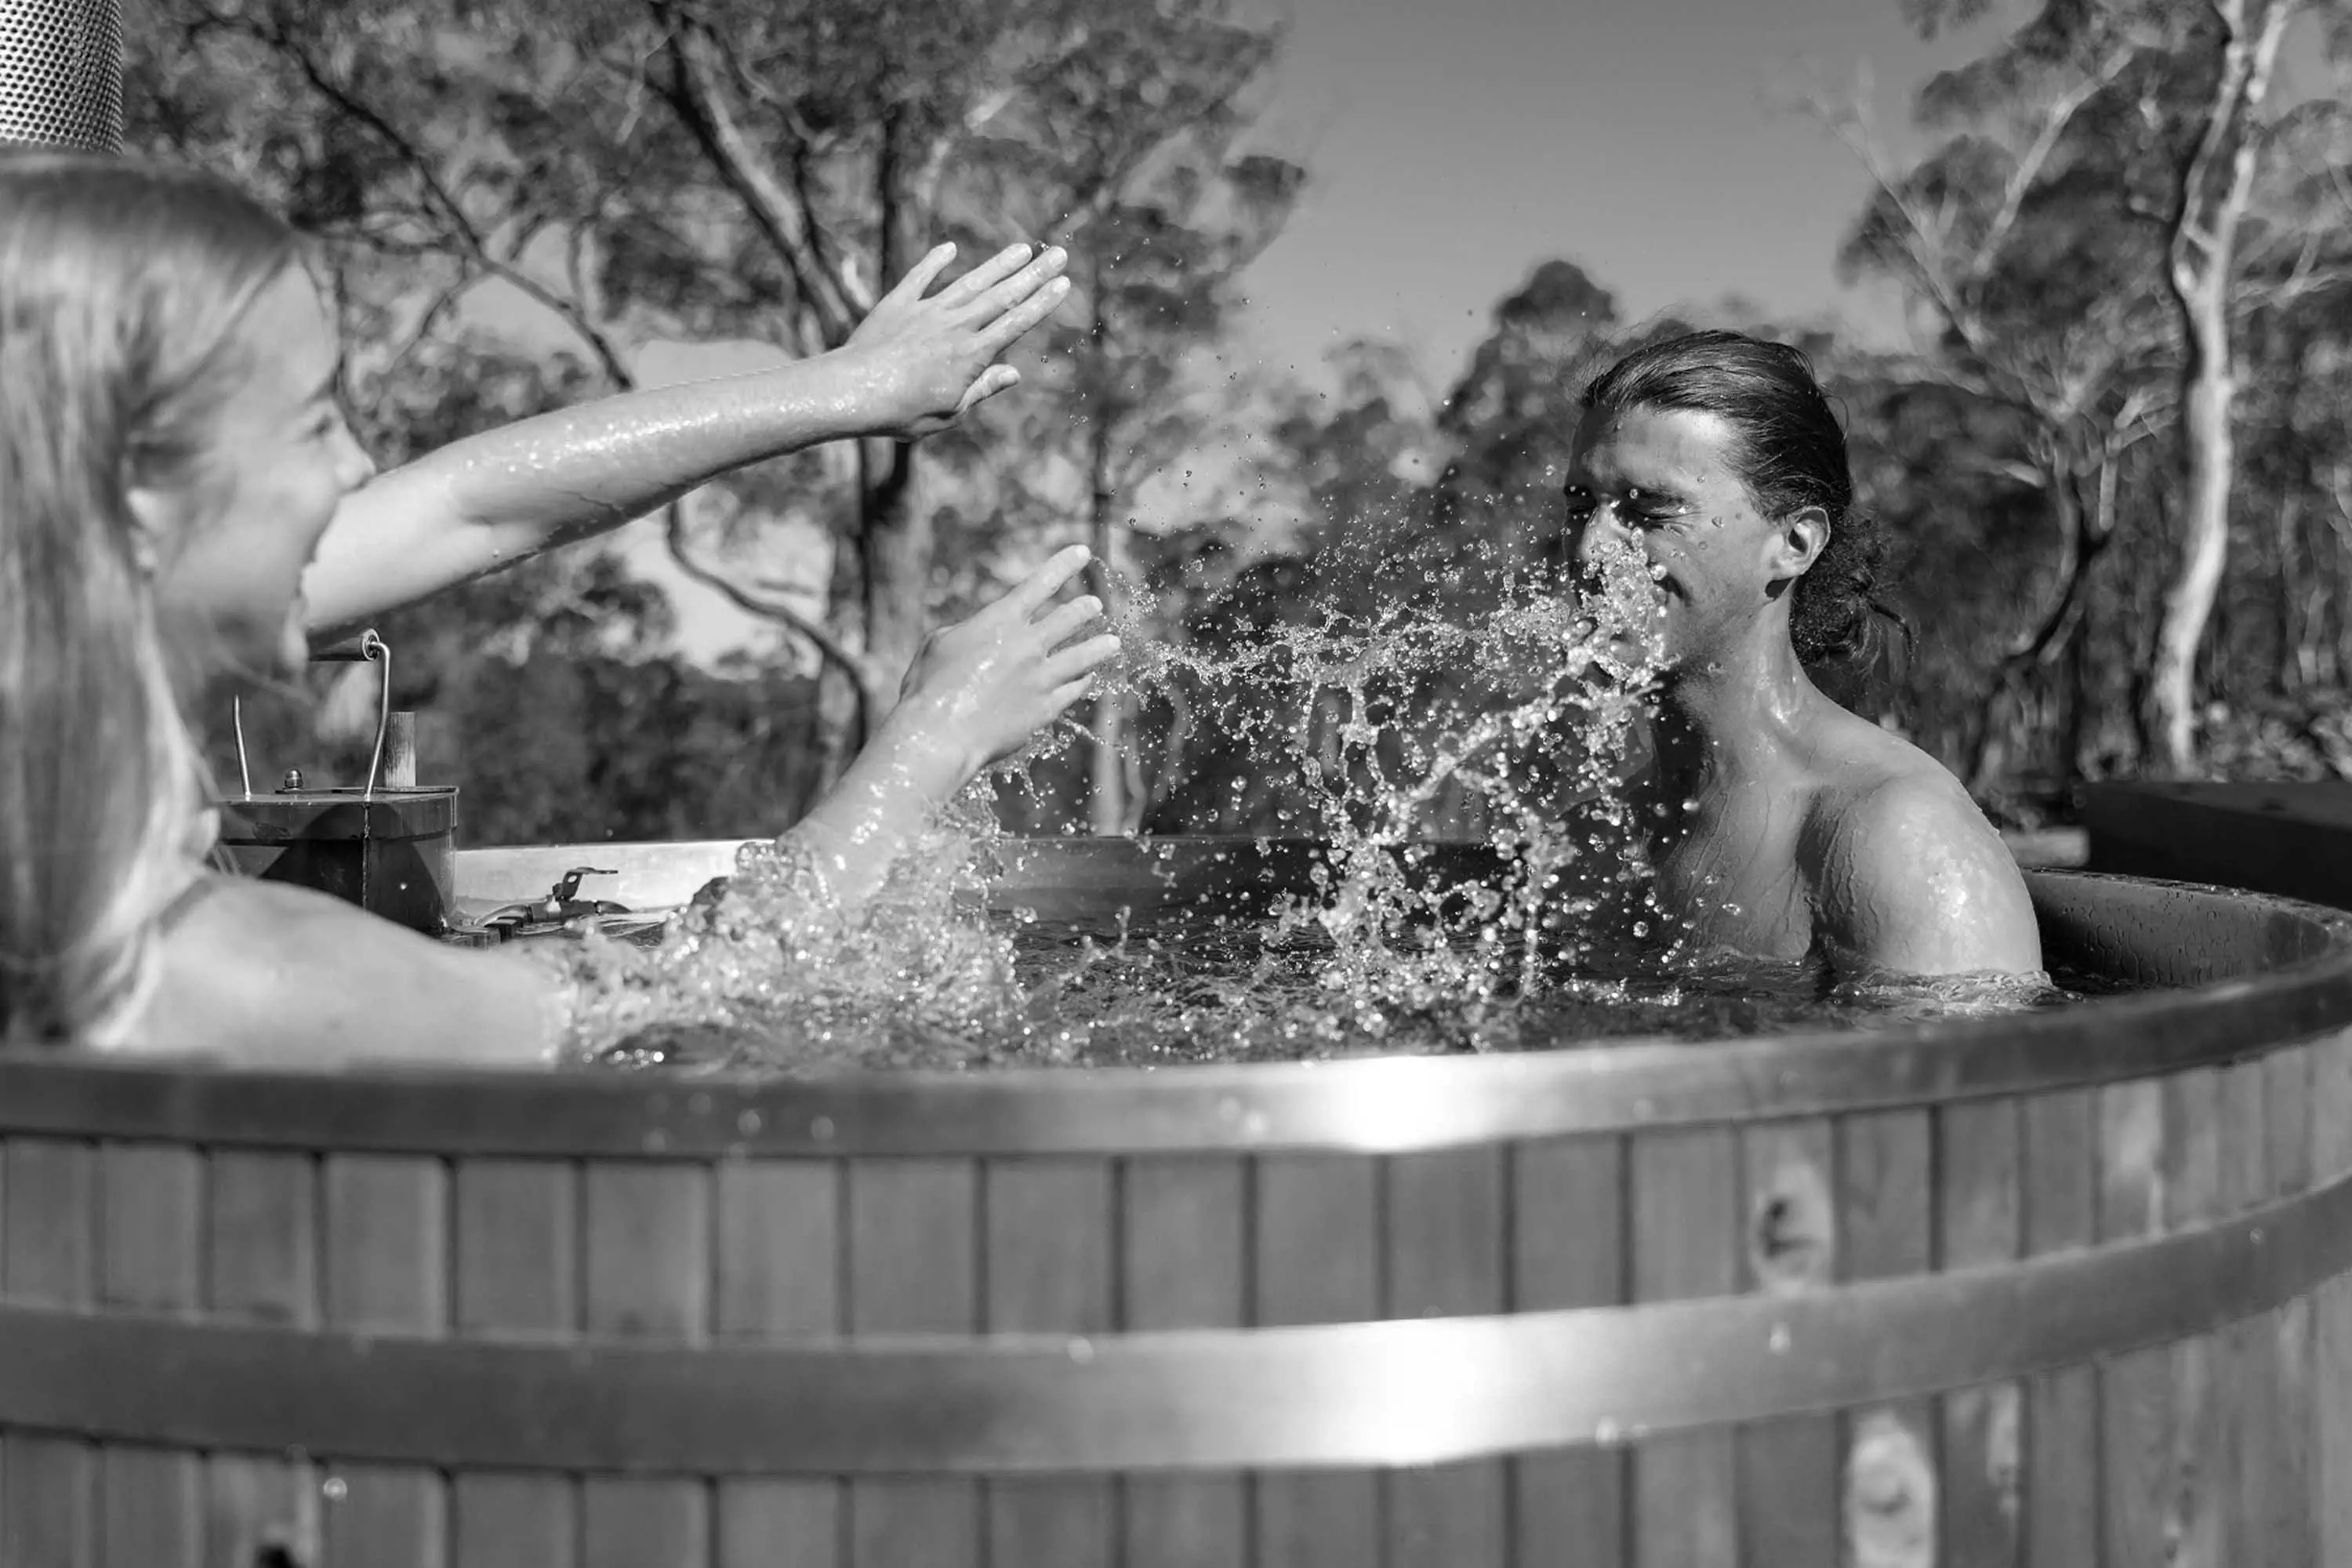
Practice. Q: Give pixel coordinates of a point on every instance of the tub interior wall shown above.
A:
(2152, 937)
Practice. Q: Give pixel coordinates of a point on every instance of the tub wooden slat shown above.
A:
(1049, 1238)
(1183, 1264)
(1980, 1221)
(2291, 1533)
(2249, 1381)
(2196, 1481)
(1567, 1249)
(2135, 1389)
(2331, 1156)
(518, 1263)
(262, 1218)
(2062, 1458)
(48, 1258)
(914, 1267)
(150, 1195)
(1317, 1260)
(1789, 1469)
(1685, 1242)
(1886, 1227)
(779, 1278)
(386, 1271)
(646, 1247)
(1447, 1254)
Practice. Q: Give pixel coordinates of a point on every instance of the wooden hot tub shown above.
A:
(2058, 1291)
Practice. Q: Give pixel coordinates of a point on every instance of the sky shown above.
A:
(1452, 147)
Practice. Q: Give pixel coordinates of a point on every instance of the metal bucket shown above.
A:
(390, 851)
(2062, 1289)
(388, 846)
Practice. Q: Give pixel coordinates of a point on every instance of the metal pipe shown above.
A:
(400, 752)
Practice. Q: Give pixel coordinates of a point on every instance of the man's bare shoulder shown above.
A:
(1908, 875)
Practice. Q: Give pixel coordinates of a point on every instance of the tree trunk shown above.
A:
(1106, 802)
(2208, 457)
(2201, 272)
(2286, 661)
(1106, 794)
(2076, 700)
(2081, 540)
(894, 529)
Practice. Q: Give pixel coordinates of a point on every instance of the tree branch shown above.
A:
(694, 92)
(828, 646)
(2202, 230)
(460, 227)
(2037, 153)
(1924, 254)
(440, 305)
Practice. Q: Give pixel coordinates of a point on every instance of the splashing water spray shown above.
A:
(1516, 718)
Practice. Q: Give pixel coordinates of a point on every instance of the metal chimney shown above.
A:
(61, 73)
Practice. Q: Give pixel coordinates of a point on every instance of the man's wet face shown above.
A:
(1659, 479)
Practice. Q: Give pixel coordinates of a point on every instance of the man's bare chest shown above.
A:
(1734, 879)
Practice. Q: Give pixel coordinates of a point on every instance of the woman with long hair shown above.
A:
(171, 453)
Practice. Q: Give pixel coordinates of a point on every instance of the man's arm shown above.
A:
(1914, 880)
(493, 498)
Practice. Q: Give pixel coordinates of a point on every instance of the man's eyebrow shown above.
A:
(325, 390)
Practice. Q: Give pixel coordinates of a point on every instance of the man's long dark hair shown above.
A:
(1790, 453)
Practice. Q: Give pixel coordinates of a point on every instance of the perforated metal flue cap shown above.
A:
(61, 73)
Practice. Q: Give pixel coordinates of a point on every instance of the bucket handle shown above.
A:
(367, 648)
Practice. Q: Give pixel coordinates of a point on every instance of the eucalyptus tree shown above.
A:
(640, 170)
(2089, 240)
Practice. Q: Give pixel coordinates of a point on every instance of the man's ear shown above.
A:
(1798, 541)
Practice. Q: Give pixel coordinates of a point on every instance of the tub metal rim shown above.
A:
(1378, 1104)
(1401, 1392)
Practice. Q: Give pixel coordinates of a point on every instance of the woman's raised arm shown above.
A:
(913, 365)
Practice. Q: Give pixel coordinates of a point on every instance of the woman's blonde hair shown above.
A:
(122, 285)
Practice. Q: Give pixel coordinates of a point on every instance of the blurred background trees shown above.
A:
(2114, 451)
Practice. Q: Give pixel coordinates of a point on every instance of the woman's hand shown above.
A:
(985, 684)
(926, 360)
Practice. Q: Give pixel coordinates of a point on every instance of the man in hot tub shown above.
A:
(1778, 825)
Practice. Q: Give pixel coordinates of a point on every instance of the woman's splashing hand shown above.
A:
(922, 362)
(976, 693)
(985, 684)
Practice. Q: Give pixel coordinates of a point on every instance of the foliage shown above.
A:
(644, 170)
(2060, 245)
(634, 170)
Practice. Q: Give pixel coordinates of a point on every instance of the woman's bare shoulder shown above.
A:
(261, 972)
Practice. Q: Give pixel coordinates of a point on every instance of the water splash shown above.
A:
(1512, 725)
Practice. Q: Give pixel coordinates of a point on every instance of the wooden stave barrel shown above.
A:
(703, 1239)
